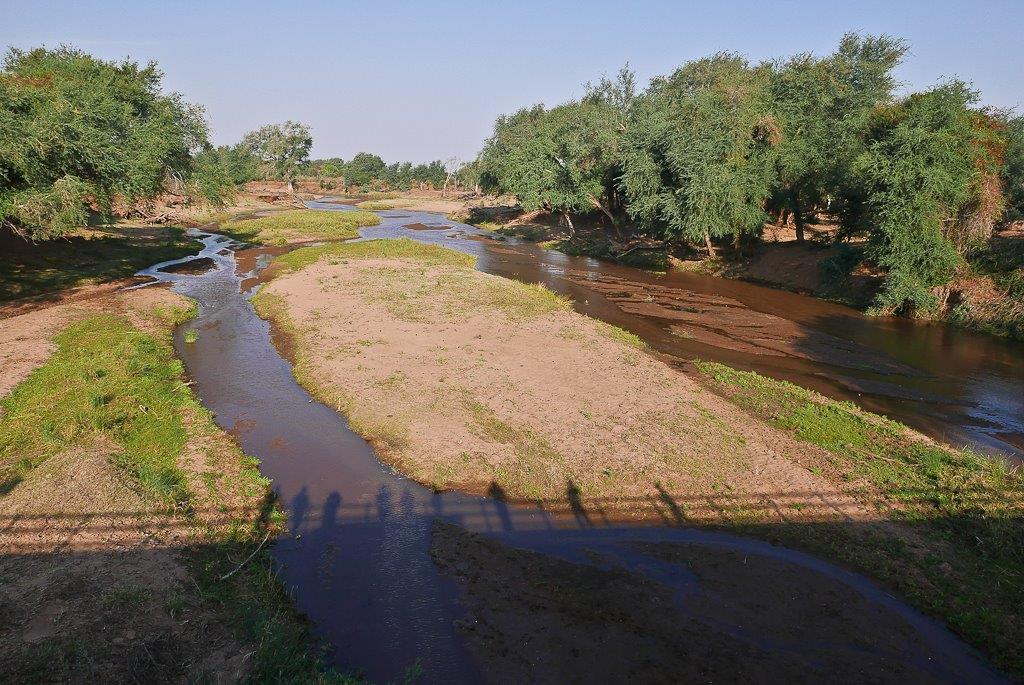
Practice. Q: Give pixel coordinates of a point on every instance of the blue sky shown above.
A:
(425, 80)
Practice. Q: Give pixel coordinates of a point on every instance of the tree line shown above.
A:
(80, 135)
(722, 146)
(280, 153)
(368, 170)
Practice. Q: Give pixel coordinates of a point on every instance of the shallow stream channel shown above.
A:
(356, 556)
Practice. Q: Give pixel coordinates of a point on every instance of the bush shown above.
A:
(78, 131)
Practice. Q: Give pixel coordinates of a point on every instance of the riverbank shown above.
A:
(467, 381)
(132, 544)
(986, 294)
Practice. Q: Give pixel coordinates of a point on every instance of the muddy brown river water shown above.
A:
(356, 557)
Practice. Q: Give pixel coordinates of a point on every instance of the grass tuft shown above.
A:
(538, 464)
(622, 335)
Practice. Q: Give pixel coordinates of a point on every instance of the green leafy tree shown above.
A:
(1013, 168)
(564, 159)
(211, 177)
(698, 155)
(280, 149)
(364, 168)
(822, 107)
(333, 168)
(76, 132)
(218, 171)
(931, 171)
(517, 158)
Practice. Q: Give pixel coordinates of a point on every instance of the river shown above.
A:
(356, 556)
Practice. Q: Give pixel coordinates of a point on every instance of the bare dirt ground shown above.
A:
(536, 618)
(462, 380)
(93, 584)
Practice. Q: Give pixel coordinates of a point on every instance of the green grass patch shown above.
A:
(372, 195)
(174, 316)
(280, 228)
(403, 248)
(374, 206)
(90, 257)
(955, 540)
(622, 335)
(492, 226)
(534, 233)
(106, 378)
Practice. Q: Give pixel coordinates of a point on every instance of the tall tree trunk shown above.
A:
(604, 210)
(568, 220)
(781, 220)
(710, 245)
(798, 217)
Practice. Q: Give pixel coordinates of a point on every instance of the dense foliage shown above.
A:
(279, 149)
(722, 146)
(822, 107)
(699, 149)
(1013, 169)
(931, 174)
(77, 132)
(565, 159)
(369, 170)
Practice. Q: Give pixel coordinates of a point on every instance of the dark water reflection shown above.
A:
(356, 558)
(961, 387)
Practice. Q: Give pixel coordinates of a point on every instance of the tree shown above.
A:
(76, 132)
(364, 168)
(931, 172)
(235, 162)
(698, 154)
(280, 149)
(212, 175)
(822, 108)
(451, 170)
(468, 175)
(517, 159)
(333, 168)
(564, 159)
(1013, 168)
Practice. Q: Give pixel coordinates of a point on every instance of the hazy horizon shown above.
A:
(421, 82)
